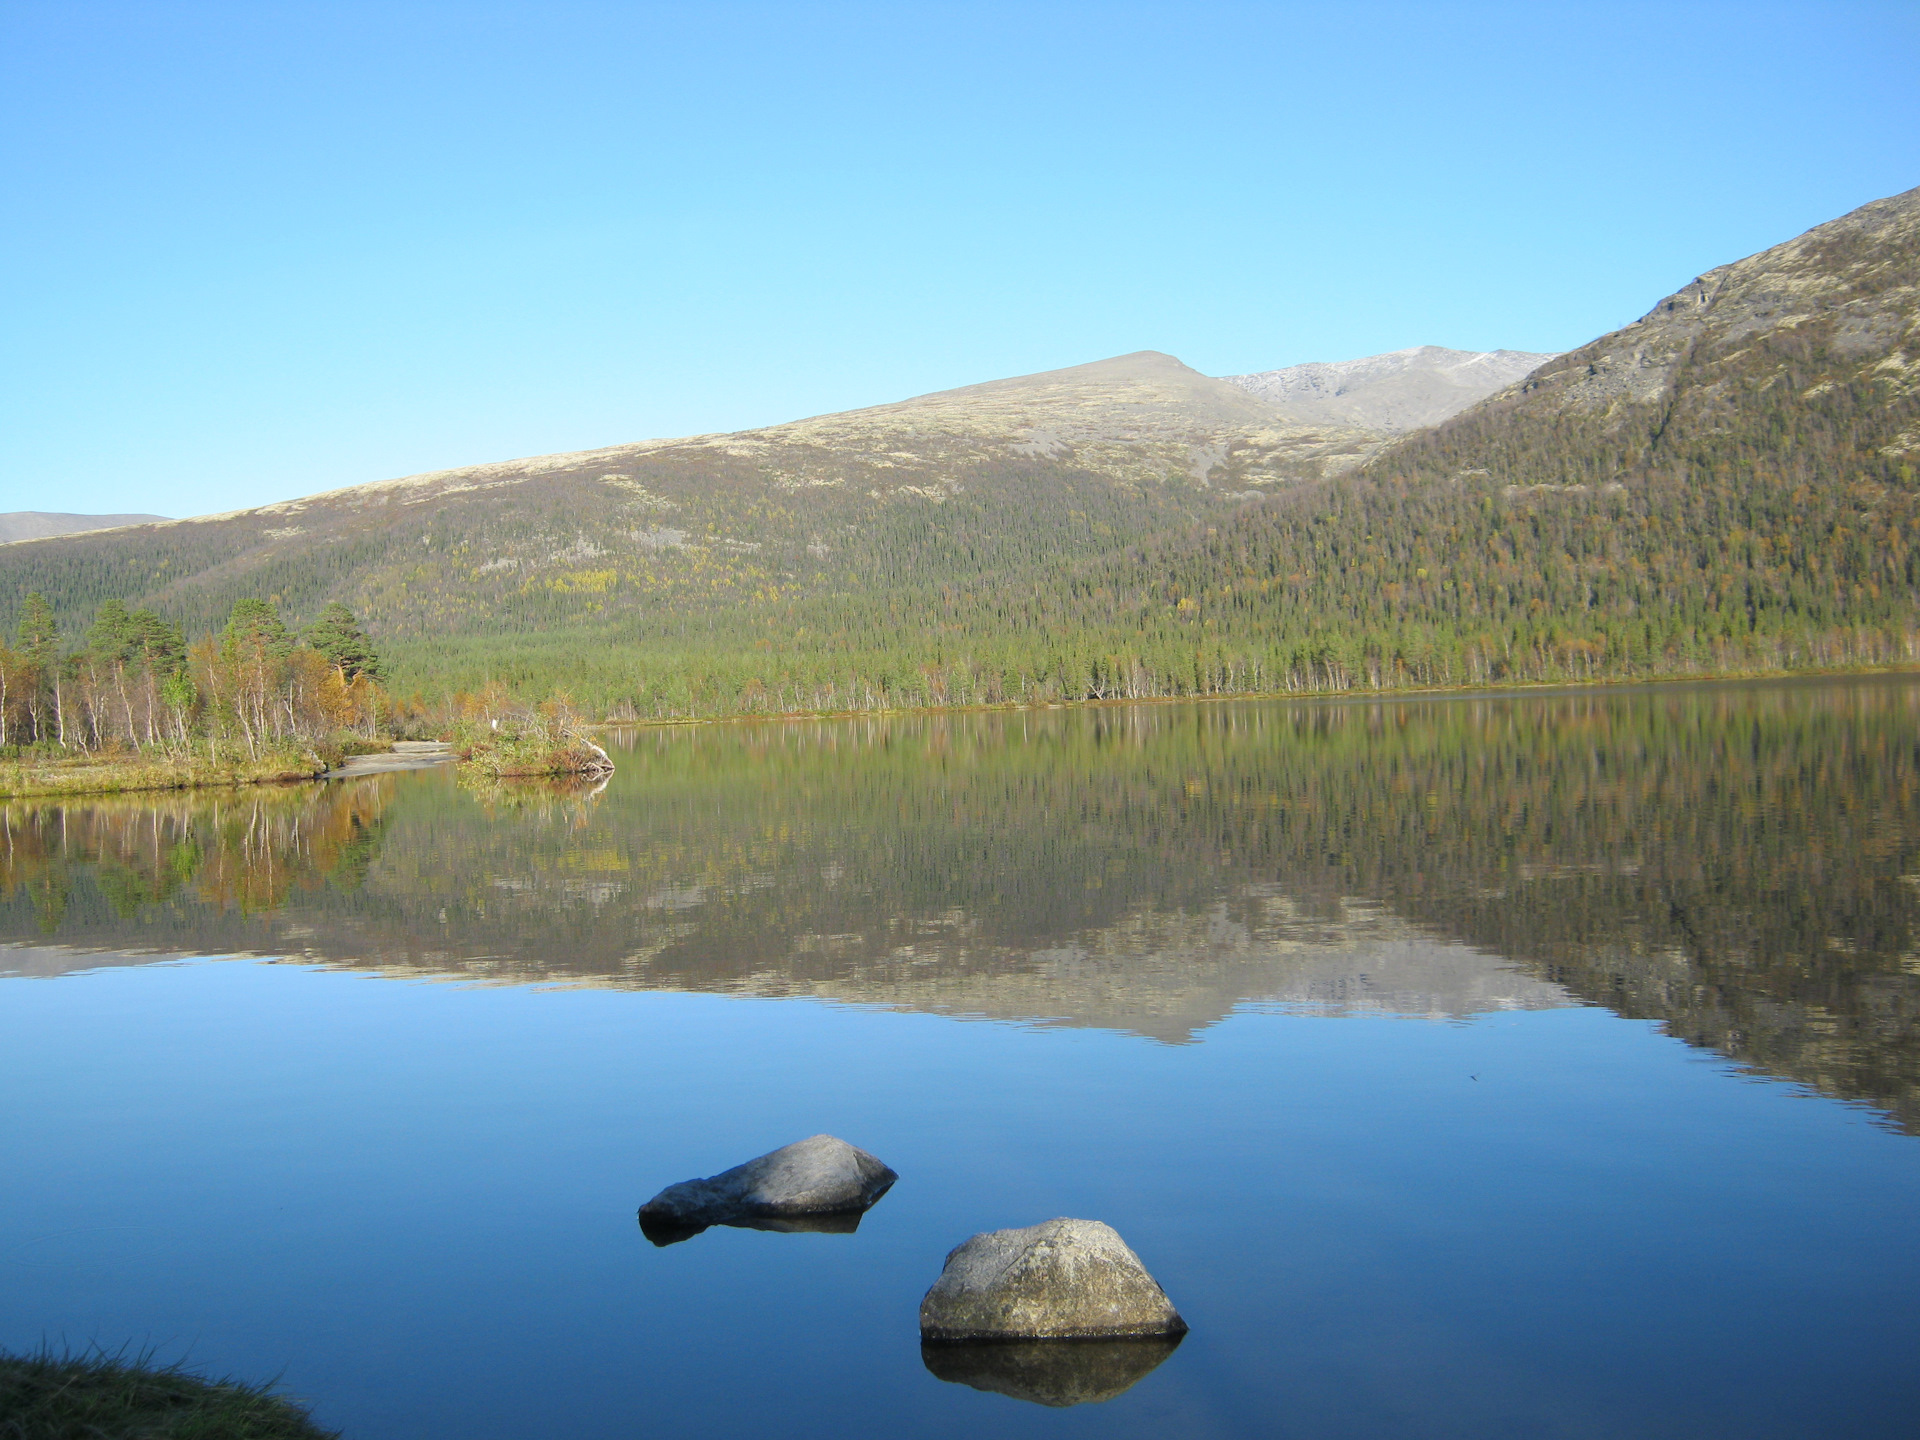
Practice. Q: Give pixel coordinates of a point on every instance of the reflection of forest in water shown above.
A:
(1732, 861)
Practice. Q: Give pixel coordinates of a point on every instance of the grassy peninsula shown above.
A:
(158, 769)
(549, 740)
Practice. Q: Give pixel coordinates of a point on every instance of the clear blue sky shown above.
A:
(254, 250)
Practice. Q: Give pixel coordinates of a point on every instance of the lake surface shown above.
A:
(1532, 1066)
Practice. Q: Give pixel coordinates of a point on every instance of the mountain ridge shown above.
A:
(1065, 403)
(1727, 483)
(19, 525)
(1853, 275)
(1396, 392)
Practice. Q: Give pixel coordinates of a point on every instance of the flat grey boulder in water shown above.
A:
(1065, 1279)
(820, 1176)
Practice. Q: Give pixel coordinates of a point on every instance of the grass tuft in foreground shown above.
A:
(111, 1397)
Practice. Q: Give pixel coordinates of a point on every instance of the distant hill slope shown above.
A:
(988, 480)
(1400, 391)
(43, 524)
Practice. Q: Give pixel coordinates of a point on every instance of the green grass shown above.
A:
(112, 774)
(111, 1397)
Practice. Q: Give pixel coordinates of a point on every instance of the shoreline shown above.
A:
(30, 780)
(19, 782)
(1356, 694)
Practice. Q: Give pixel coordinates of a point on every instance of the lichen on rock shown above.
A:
(1063, 1279)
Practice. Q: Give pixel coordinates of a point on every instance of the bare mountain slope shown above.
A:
(1137, 414)
(1814, 336)
(990, 479)
(1145, 394)
(43, 524)
(1400, 391)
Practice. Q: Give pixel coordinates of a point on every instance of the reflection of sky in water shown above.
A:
(418, 1201)
(1549, 1215)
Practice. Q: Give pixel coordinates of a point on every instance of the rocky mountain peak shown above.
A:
(1845, 291)
(1392, 393)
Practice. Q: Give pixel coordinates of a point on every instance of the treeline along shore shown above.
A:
(135, 706)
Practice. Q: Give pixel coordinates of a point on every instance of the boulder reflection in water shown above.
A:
(1049, 1372)
(840, 1223)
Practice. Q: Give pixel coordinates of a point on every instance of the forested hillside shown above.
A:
(1727, 484)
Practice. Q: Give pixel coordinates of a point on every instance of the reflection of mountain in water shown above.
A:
(1729, 861)
(1170, 975)
(617, 893)
(1158, 975)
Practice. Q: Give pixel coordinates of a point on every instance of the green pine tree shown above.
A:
(39, 631)
(253, 628)
(163, 644)
(113, 634)
(338, 636)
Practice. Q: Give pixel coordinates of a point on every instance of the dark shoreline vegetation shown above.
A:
(496, 738)
(135, 707)
(112, 1397)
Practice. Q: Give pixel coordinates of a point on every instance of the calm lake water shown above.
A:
(1540, 1066)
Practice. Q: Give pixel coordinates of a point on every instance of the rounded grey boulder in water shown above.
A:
(1065, 1279)
(816, 1176)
